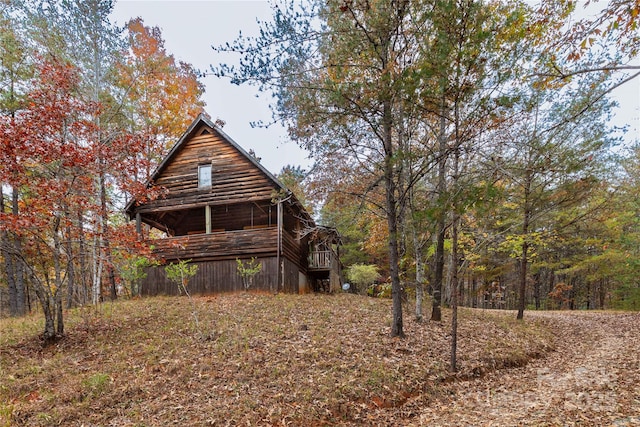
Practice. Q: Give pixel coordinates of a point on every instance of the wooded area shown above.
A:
(463, 147)
(466, 145)
(87, 111)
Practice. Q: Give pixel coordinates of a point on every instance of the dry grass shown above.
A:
(259, 360)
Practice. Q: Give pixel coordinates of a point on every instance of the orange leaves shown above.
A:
(164, 95)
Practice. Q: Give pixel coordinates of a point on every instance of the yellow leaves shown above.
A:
(586, 44)
(165, 94)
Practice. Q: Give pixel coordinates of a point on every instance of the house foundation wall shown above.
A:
(222, 276)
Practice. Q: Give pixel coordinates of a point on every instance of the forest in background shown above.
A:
(464, 148)
(461, 147)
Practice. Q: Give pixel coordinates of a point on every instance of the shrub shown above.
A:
(362, 275)
(248, 270)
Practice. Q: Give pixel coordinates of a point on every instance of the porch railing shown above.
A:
(320, 259)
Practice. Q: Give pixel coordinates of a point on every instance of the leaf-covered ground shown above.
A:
(315, 360)
(592, 379)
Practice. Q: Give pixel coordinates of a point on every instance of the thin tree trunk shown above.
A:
(536, 289)
(419, 282)
(436, 311)
(57, 265)
(474, 292)
(18, 265)
(6, 245)
(82, 257)
(71, 286)
(524, 255)
(454, 245)
(104, 236)
(392, 222)
(49, 333)
(454, 295)
(97, 272)
(419, 260)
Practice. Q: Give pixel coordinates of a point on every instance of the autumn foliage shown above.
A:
(80, 129)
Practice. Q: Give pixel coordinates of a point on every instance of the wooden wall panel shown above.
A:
(221, 276)
(234, 177)
(291, 277)
(223, 245)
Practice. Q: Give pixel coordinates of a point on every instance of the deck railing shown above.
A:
(220, 245)
(320, 259)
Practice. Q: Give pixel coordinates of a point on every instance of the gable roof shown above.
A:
(202, 119)
(199, 122)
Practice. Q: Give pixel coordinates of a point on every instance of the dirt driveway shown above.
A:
(593, 379)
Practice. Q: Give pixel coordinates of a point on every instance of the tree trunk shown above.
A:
(474, 292)
(19, 264)
(419, 285)
(71, 275)
(436, 311)
(97, 272)
(57, 265)
(419, 259)
(536, 289)
(82, 257)
(392, 222)
(526, 218)
(523, 281)
(454, 265)
(454, 296)
(49, 333)
(104, 236)
(6, 245)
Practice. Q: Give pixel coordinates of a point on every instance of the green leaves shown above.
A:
(362, 275)
(247, 270)
(181, 272)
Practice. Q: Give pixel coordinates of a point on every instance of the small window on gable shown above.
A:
(204, 176)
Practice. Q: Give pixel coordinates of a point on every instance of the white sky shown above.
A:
(190, 28)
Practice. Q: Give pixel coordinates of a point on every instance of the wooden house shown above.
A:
(219, 204)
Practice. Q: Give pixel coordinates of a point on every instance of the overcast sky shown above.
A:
(190, 28)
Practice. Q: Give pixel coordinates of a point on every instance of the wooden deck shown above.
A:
(259, 242)
(321, 260)
(218, 246)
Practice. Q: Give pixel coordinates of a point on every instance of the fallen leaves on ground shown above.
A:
(592, 379)
(311, 360)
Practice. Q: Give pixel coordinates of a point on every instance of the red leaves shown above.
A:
(47, 150)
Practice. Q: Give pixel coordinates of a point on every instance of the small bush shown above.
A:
(380, 291)
(362, 276)
(248, 270)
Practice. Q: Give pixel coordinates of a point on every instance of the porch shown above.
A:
(221, 245)
(321, 260)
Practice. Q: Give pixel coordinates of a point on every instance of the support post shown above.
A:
(280, 275)
(207, 219)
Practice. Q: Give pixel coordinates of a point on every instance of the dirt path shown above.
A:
(593, 379)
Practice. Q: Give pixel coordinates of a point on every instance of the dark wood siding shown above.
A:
(223, 245)
(234, 177)
(291, 277)
(222, 276)
(293, 249)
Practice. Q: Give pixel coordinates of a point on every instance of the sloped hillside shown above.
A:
(255, 360)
